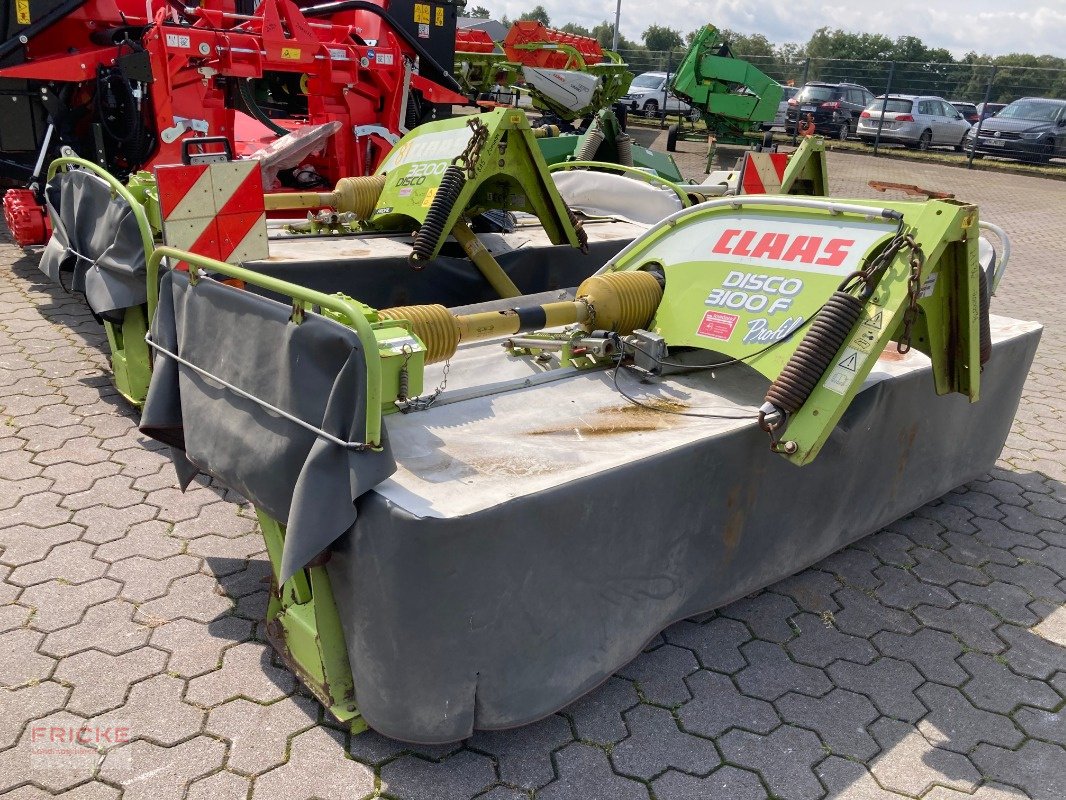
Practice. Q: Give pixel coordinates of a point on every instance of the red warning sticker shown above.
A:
(717, 325)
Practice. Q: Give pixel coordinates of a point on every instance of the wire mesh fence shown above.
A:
(968, 81)
(973, 82)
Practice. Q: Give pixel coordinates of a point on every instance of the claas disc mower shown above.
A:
(475, 515)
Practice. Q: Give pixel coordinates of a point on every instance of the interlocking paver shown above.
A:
(154, 710)
(58, 603)
(901, 589)
(101, 680)
(146, 579)
(819, 643)
(716, 643)
(1031, 653)
(726, 782)
(888, 682)
(988, 791)
(770, 673)
(523, 756)
(785, 759)
(29, 702)
(932, 652)
(847, 779)
(219, 786)
(108, 627)
(766, 614)
(862, 615)
(195, 647)
(840, 719)
(461, 775)
(1042, 724)
(995, 688)
(661, 673)
(953, 723)
(717, 706)
(1036, 767)
(56, 771)
(259, 734)
(908, 763)
(585, 772)
(150, 772)
(23, 544)
(973, 625)
(597, 717)
(246, 672)
(192, 597)
(656, 744)
(20, 661)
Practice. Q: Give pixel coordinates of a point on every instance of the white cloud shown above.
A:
(986, 26)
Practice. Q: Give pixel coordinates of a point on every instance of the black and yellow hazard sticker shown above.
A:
(422, 13)
(22, 12)
(438, 17)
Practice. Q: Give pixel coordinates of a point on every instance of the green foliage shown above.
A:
(479, 12)
(659, 37)
(538, 14)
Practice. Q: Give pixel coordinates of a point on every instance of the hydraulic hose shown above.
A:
(244, 87)
(445, 77)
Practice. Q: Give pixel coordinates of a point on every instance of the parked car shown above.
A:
(649, 95)
(920, 121)
(968, 110)
(833, 107)
(1029, 129)
(987, 110)
(787, 93)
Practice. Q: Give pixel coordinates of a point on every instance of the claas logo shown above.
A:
(783, 247)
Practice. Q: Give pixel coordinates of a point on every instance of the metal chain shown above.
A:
(914, 289)
(469, 157)
(423, 403)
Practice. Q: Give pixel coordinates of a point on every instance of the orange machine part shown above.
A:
(532, 32)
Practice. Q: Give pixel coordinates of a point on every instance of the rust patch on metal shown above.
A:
(616, 420)
(734, 523)
(890, 354)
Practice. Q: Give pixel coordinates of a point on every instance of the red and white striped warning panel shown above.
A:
(215, 210)
(763, 173)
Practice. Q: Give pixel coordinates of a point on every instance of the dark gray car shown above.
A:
(1029, 129)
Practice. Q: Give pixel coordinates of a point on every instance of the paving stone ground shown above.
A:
(925, 661)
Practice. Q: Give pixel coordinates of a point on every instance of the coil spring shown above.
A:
(579, 229)
(624, 145)
(593, 139)
(429, 235)
(986, 328)
(815, 352)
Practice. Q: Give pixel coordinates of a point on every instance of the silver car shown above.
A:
(919, 121)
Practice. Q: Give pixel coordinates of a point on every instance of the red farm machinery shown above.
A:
(132, 85)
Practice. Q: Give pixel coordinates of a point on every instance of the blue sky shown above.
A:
(987, 26)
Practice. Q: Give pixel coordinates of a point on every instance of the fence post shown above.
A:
(803, 82)
(981, 117)
(884, 105)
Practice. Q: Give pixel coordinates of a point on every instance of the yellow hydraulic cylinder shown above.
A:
(488, 266)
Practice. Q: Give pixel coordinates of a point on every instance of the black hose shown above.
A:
(244, 88)
(429, 235)
(815, 352)
(445, 77)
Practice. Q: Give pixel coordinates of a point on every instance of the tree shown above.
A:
(577, 30)
(479, 12)
(659, 37)
(538, 14)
